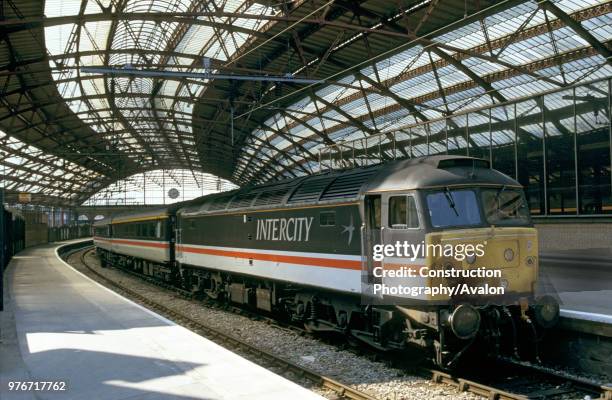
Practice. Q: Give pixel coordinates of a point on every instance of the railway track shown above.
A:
(567, 388)
(563, 387)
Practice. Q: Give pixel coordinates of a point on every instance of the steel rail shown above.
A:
(464, 385)
(490, 392)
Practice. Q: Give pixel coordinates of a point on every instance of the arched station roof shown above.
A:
(302, 75)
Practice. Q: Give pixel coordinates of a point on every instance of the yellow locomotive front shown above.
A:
(476, 268)
(493, 268)
(487, 234)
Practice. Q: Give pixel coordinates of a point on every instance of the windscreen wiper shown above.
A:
(500, 209)
(497, 196)
(499, 193)
(451, 201)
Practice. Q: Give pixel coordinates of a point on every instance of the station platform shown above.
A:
(582, 280)
(60, 326)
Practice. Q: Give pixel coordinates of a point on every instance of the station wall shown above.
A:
(595, 236)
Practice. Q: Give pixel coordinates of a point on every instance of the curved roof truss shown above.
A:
(384, 64)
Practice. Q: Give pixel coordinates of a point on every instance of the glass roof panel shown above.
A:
(415, 84)
(28, 169)
(142, 43)
(157, 187)
(419, 82)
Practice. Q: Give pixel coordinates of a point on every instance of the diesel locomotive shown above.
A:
(304, 249)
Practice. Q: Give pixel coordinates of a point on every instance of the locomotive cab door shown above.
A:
(371, 235)
(400, 225)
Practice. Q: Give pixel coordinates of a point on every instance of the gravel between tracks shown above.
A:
(374, 378)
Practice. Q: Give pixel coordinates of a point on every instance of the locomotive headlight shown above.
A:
(508, 255)
(464, 321)
(470, 259)
(546, 311)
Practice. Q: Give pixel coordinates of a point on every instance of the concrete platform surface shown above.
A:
(582, 282)
(59, 325)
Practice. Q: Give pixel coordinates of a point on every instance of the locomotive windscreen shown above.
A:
(477, 207)
(453, 208)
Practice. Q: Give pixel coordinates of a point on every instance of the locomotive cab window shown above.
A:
(327, 218)
(505, 206)
(453, 208)
(403, 213)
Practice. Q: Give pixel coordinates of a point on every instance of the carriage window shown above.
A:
(327, 218)
(403, 212)
(158, 229)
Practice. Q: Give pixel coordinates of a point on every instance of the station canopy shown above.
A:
(95, 91)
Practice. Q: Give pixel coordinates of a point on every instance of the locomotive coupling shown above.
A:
(464, 321)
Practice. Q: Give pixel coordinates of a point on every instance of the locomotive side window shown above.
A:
(403, 213)
(376, 213)
(327, 218)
